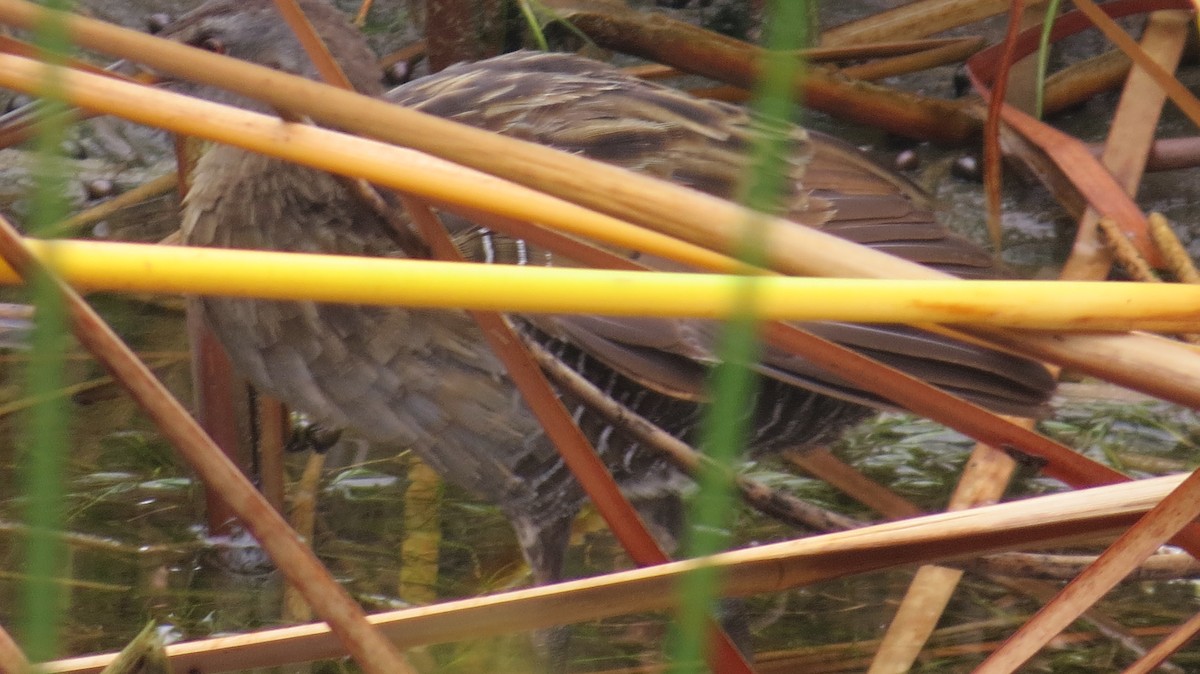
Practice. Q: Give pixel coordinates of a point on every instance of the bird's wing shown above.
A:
(586, 107)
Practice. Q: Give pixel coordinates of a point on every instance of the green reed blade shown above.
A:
(46, 435)
(733, 384)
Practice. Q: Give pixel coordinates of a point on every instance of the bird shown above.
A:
(424, 378)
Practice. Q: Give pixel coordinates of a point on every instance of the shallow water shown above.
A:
(145, 554)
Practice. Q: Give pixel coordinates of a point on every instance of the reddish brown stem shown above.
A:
(576, 451)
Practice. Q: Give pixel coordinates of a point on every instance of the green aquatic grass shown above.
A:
(46, 437)
(725, 428)
(1043, 56)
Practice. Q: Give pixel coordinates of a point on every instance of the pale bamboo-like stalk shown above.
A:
(983, 480)
(912, 20)
(1068, 518)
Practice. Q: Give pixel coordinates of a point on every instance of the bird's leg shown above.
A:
(544, 545)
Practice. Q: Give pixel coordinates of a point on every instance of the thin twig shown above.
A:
(785, 507)
(147, 190)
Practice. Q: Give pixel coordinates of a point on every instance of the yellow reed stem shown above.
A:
(1057, 305)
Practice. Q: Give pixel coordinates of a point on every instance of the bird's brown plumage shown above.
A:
(424, 379)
